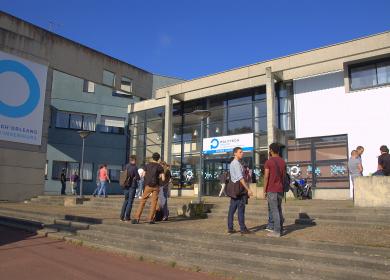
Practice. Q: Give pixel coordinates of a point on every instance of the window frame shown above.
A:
(374, 63)
(69, 120)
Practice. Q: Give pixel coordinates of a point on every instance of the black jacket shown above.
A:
(132, 172)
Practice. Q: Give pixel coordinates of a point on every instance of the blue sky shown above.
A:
(188, 39)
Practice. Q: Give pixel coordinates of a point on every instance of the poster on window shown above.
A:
(226, 144)
(22, 98)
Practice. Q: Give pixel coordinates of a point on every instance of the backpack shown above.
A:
(286, 180)
(124, 178)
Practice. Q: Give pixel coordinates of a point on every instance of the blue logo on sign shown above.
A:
(214, 143)
(34, 94)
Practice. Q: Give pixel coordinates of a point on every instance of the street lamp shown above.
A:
(83, 134)
(202, 114)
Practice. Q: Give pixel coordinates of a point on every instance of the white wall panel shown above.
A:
(323, 108)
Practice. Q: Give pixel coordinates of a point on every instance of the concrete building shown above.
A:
(76, 88)
(320, 104)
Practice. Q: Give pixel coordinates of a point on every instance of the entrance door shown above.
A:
(212, 169)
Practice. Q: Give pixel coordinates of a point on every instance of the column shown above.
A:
(168, 128)
(271, 117)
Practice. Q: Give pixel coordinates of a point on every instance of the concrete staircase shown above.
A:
(203, 245)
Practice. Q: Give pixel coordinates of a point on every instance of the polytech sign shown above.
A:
(226, 144)
(22, 98)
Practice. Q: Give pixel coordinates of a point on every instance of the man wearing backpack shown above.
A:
(274, 174)
(153, 173)
(129, 188)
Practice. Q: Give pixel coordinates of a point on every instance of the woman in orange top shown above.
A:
(103, 180)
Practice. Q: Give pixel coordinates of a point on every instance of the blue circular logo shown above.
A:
(34, 95)
(214, 143)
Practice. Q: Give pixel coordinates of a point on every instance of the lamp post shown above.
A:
(202, 114)
(83, 134)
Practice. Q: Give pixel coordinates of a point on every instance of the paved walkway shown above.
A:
(26, 256)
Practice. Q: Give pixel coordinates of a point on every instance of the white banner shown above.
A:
(22, 99)
(226, 144)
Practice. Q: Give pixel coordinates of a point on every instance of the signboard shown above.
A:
(226, 144)
(22, 99)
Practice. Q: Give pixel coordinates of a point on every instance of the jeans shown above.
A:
(275, 207)
(128, 202)
(63, 187)
(102, 189)
(237, 203)
(270, 219)
(140, 188)
(163, 201)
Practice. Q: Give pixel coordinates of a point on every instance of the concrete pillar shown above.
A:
(271, 114)
(168, 128)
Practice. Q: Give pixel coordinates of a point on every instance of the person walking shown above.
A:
(153, 173)
(238, 202)
(103, 181)
(274, 173)
(163, 193)
(355, 166)
(140, 189)
(383, 162)
(130, 189)
(96, 191)
(63, 181)
(74, 183)
(223, 178)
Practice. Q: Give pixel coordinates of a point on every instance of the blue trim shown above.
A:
(34, 95)
(210, 152)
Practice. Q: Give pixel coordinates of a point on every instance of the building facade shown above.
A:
(319, 105)
(80, 89)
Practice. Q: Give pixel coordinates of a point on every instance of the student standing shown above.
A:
(360, 151)
(103, 181)
(63, 181)
(164, 189)
(239, 202)
(153, 173)
(74, 183)
(274, 173)
(355, 166)
(130, 189)
(140, 189)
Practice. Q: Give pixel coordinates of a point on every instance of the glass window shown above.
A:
(108, 78)
(216, 129)
(62, 119)
(87, 171)
(88, 86)
(239, 127)
(114, 172)
(240, 112)
(156, 113)
(239, 98)
(110, 124)
(217, 115)
(57, 168)
(261, 125)
(285, 122)
(76, 121)
(138, 117)
(126, 84)
(89, 122)
(137, 140)
(191, 147)
(217, 102)
(191, 133)
(71, 168)
(260, 109)
(261, 93)
(363, 77)
(154, 126)
(139, 153)
(154, 138)
(383, 72)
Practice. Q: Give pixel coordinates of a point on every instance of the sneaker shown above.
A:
(135, 221)
(269, 229)
(231, 231)
(273, 234)
(152, 222)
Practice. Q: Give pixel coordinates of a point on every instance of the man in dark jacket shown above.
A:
(63, 181)
(130, 189)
